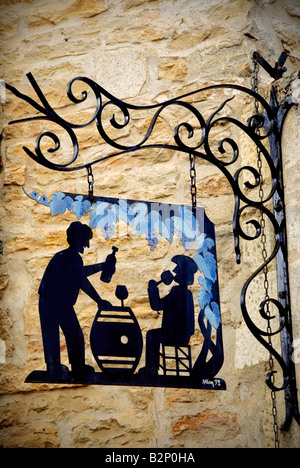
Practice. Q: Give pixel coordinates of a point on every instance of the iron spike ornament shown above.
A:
(192, 135)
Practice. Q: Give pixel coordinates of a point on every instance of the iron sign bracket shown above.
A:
(283, 287)
(271, 119)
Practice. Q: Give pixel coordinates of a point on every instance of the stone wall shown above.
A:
(143, 52)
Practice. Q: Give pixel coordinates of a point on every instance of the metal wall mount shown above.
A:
(244, 181)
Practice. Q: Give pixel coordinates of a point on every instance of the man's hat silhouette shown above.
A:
(78, 233)
(187, 266)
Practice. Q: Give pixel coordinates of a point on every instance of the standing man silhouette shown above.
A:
(64, 276)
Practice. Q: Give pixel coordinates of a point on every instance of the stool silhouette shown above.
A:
(181, 357)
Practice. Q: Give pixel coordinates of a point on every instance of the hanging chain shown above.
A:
(293, 56)
(90, 179)
(263, 240)
(193, 180)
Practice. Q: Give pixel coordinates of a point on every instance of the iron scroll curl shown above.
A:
(202, 150)
(283, 312)
(48, 113)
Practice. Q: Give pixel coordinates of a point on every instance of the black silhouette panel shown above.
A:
(116, 339)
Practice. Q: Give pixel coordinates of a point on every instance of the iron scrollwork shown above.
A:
(270, 119)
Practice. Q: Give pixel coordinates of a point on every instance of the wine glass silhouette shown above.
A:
(166, 277)
(121, 293)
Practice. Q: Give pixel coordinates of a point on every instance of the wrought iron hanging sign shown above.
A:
(192, 135)
(116, 339)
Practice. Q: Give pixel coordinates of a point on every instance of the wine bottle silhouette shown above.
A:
(109, 266)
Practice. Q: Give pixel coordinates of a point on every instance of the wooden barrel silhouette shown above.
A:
(116, 340)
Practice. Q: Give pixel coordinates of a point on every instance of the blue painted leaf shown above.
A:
(211, 264)
(205, 265)
(205, 283)
(80, 207)
(204, 243)
(204, 297)
(97, 213)
(59, 203)
(213, 314)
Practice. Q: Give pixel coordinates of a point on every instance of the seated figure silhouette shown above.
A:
(178, 324)
(64, 276)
